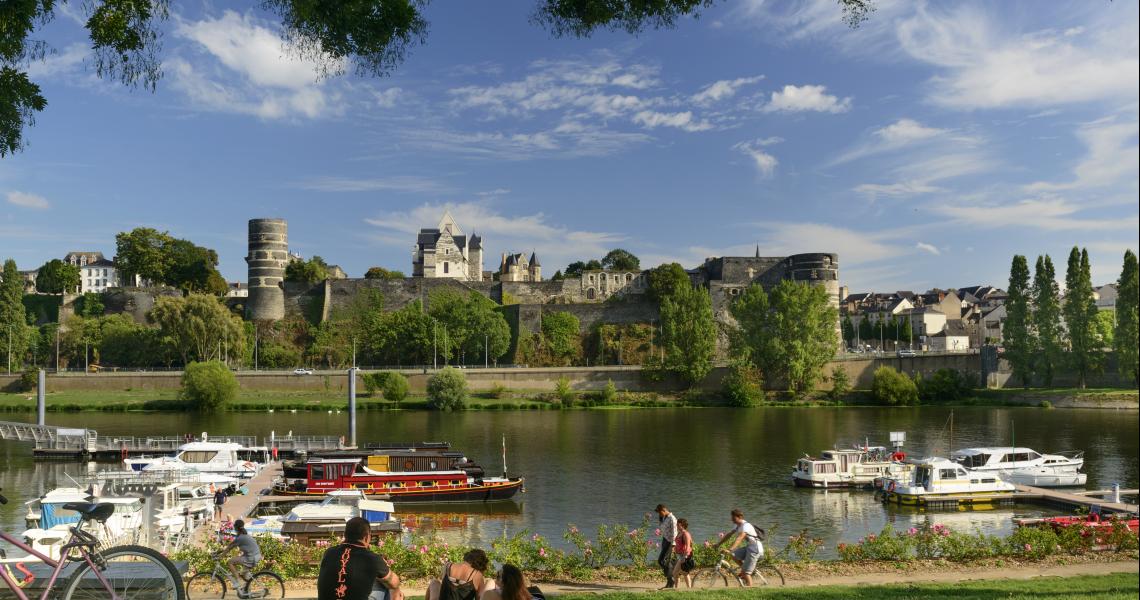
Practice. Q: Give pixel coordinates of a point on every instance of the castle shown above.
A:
(445, 257)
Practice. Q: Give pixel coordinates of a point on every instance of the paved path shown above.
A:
(1024, 572)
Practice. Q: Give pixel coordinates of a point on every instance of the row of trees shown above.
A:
(616, 259)
(896, 329)
(1043, 333)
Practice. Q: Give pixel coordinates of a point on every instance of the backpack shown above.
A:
(451, 588)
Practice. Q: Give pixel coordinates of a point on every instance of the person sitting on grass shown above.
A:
(511, 584)
(352, 571)
(463, 581)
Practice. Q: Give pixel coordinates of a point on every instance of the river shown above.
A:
(604, 466)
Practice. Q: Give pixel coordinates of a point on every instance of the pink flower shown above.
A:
(945, 533)
(708, 544)
(871, 537)
(657, 531)
(390, 561)
(423, 549)
(911, 531)
(542, 552)
(573, 529)
(535, 537)
(1028, 548)
(632, 533)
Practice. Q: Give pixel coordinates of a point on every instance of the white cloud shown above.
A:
(556, 245)
(400, 183)
(1113, 156)
(1047, 214)
(682, 120)
(895, 190)
(764, 162)
(928, 248)
(984, 65)
(253, 73)
(387, 98)
(806, 98)
(27, 200)
(567, 140)
(66, 62)
(723, 89)
(906, 131)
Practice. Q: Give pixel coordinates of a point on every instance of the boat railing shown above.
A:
(307, 442)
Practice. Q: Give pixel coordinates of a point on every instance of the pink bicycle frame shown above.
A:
(57, 566)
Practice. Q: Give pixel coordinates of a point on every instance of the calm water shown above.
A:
(594, 467)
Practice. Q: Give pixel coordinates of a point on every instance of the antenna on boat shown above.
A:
(504, 456)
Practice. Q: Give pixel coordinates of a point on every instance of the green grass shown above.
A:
(1092, 587)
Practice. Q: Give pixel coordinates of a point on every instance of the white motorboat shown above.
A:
(1025, 466)
(935, 479)
(49, 522)
(848, 468)
(323, 520)
(222, 458)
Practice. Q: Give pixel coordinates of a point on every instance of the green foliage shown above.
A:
(742, 386)
(576, 268)
(468, 323)
(307, 271)
(57, 277)
(840, 384)
(666, 280)
(1017, 337)
(609, 394)
(688, 333)
(621, 344)
(612, 543)
(277, 356)
(382, 273)
(848, 329)
(560, 336)
(158, 257)
(893, 388)
(1080, 317)
(395, 388)
(41, 308)
(564, 392)
(89, 305)
(373, 382)
(865, 330)
(1046, 320)
(789, 334)
(400, 337)
(208, 386)
(141, 252)
(1105, 324)
(13, 317)
(199, 327)
(945, 385)
(621, 260)
(1126, 340)
(447, 390)
(803, 546)
(498, 391)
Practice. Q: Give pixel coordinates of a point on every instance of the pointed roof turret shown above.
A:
(534, 259)
(757, 250)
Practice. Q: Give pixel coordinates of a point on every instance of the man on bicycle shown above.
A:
(249, 552)
(748, 554)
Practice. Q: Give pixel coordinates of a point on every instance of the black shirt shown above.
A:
(348, 572)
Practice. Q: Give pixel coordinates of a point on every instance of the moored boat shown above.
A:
(324, 475)
(848, 468)
(220, 458)
(49, 522)
(936, 480)
(1025, 466)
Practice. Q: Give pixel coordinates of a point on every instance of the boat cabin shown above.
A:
(342, 473)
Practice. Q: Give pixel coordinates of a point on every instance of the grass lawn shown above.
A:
(1091, 587)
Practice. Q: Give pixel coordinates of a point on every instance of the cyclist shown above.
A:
(747, 554)
(249, 552)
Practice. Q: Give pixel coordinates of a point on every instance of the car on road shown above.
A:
(302, 371)
(906, 353)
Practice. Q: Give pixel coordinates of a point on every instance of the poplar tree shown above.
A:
(13, 320)
(1046, 320)
(1126, 342)
(1080, 316)
(1016, 336)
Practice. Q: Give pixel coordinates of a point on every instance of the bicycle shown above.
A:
(212, 585)
(726, 569)
(125, 572)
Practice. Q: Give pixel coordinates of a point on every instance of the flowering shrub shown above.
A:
(887, 545)
(613, 544)
(1120, 537)
(1033, 542)
(804, 546)
(528, 552)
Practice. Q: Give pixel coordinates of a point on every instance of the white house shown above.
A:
(954, 337)
(925, 320)
(98, 276)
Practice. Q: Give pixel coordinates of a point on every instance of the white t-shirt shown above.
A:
(752, 541)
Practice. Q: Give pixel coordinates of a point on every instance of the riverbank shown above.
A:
(257, 400)
(1102, 579)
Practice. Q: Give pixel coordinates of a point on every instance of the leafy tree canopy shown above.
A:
(621, 260)
(57, 277)
(1126, 339)
(307, 271)
(159, 257)
(667, 280)
(382, 273)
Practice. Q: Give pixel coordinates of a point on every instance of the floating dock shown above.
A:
(1090, 501)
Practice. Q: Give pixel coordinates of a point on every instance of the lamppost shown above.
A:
(9, 348)
(486, 347)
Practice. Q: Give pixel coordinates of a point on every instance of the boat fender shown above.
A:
(898, 456)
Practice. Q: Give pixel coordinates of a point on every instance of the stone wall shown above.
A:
(135, 302)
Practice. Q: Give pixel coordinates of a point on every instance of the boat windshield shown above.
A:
(197, 456)
(974, 461)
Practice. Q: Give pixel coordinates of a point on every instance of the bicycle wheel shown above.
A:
(769, 574)
(132, 572)
(265, 584)
(711, 577)
(205, 586)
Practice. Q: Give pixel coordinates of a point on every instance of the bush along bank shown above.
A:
(623, 552)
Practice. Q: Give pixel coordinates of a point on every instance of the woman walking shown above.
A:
(683, 548)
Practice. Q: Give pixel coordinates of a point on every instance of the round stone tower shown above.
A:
(268, 256)
(817, 269)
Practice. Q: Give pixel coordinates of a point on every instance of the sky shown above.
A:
(925, 147)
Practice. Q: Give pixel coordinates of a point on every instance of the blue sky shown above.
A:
(925, 148)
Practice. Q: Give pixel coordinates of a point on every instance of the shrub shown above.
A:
(742, 385)
(208, 386)
(29, 379)
(1033, 542)
(840, 384)
(1045, 404)
(498, 391)
(447, 390)
(609, 394)
(276, 356)
(945, 385)
(886, 545)
(374, 382)
(563, 391)
(893, 388)
(804, 546)
(395, 388)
